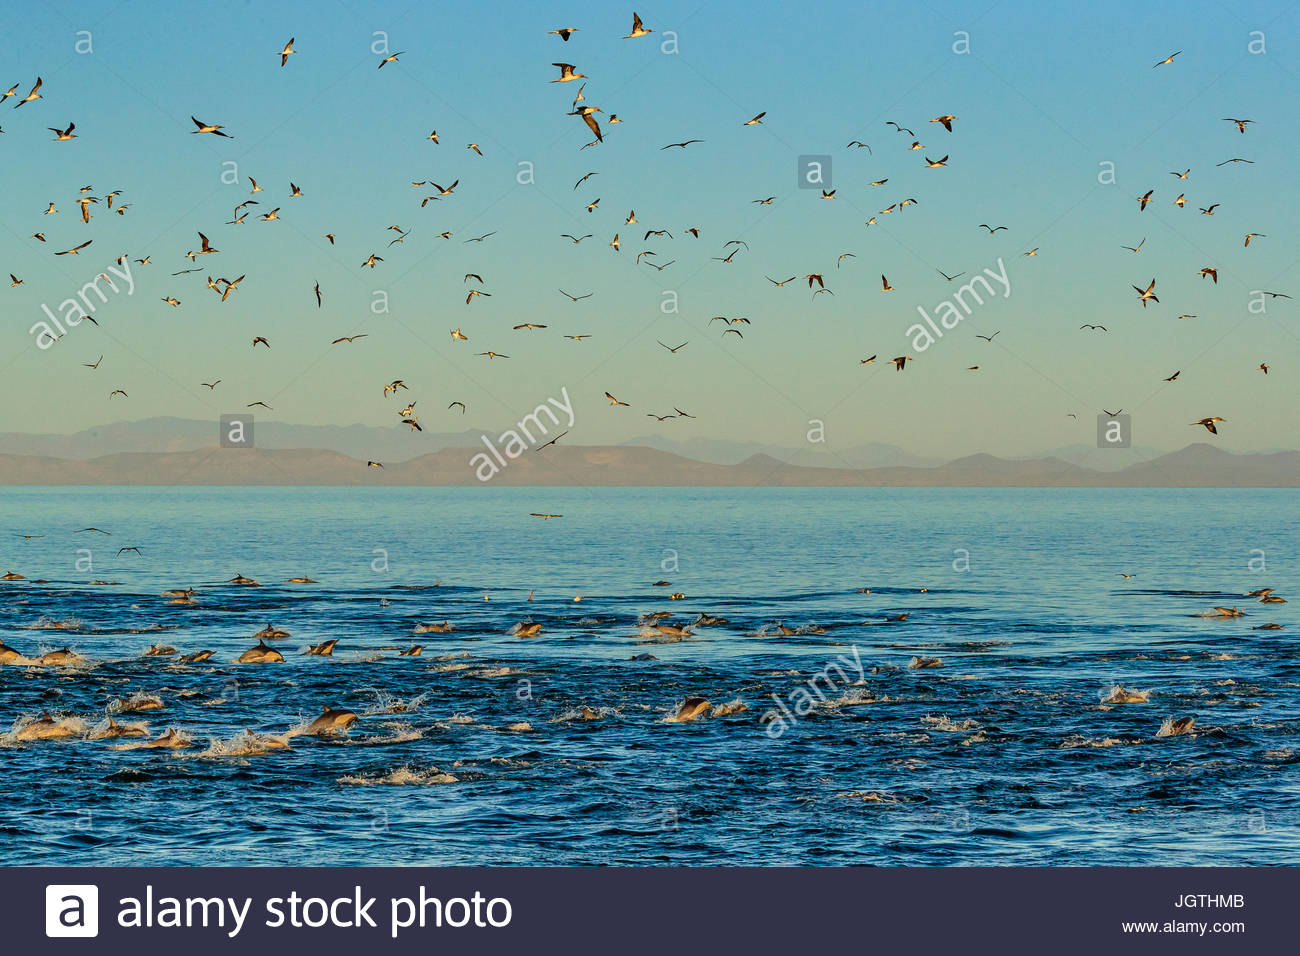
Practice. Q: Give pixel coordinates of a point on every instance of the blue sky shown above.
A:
(1044, 97)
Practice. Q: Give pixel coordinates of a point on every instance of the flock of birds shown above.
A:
(590, 115)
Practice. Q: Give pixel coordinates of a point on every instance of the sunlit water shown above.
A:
(1004, 754)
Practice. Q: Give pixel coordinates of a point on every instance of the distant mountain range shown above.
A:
(589, 465)
(397, 444)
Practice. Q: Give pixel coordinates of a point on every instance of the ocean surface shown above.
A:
(492, 748)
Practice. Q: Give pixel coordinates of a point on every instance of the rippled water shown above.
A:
(490, 748)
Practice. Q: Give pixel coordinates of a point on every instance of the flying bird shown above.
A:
(637, 29)
(75, 249)
(209, 128)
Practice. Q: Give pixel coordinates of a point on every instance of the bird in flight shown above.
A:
(1138, 247)
(683, 145)
(287, 52)
(1144, 199)
(1149, 293)
(564, 33)
(544, 517)
(33, 95)
(989, 338)
(615, 401)
(75, 249)
(1210, 210)
(350, 338)
(1174, 377)
(567, 74)
(1167, 60)
(991, 229)
(901, 361)
(1241, 123)
(884, 285)
(1254, 235)
(63, 134)
(757, 119)
(637, 29)
(391, 58)
(1208, 424)
(1212, 273)
(209, 128)
(1101, 328)
(946, 120)
(672, 349)
(576, 298)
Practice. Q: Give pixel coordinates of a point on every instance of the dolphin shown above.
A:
(442, 628)
(323, 649)
(180, 592)
(916, 662)
(196, 657)
(330, 722)
(643, 657)
(1258, 627)
(658, 615)
(1176, 727)
(114, 730)
(260, 653)
(708, 620)
(171, 739)
(12, 576)
(1222, 612)
(183, 600)
(1119, 695)
(672, 630)
(270, 633)
(60, 658)
(526, 629)
(300, 580)
(415, 650)
(159, 650)
(690, 709)
(10, 656)
(137, 703)
(240, 579)
(1272, 599)
(46, 727)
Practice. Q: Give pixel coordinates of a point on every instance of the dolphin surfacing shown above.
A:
(260, 653)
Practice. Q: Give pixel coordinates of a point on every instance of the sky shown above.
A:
(1049, 100)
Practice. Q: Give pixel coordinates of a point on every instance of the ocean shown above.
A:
(823, 742)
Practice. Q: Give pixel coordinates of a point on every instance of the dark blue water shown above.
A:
(490, 748)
